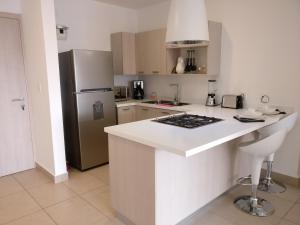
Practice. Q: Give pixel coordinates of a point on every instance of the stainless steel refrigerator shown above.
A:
(88, 105)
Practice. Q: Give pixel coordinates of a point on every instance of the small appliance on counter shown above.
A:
(138, 89)
(233, 101)
(121, 93)
(212, 89)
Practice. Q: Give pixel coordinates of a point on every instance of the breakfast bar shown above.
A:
(160, 174)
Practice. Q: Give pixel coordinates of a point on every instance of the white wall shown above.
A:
(153, 17)
(10, 6)
(260, 55)
(41, 64)
(91, 23)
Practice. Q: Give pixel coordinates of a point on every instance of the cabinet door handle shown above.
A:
(155, 72)
(141, 72)
(145, 109)
(166, 113)
(126, 109)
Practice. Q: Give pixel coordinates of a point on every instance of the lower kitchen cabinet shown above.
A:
(143, 113)
(129, 114)
(126, 114)
(165, 112)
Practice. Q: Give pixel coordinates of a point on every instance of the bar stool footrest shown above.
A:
(271, 186)
(244, 181)
(263, 208)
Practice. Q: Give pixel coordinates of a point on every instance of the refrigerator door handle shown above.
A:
(86, 91)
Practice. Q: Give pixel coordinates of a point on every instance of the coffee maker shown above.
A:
(138, 89)
(212, 89)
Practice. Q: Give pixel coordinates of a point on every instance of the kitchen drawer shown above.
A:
(126, 114)
(143, 113)
(165, 112)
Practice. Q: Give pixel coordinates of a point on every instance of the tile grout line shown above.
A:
(79, 195)
(90, 204)
(4, 196)
(41, 208)
(287, 212)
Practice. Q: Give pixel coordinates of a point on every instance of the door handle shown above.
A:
(18, 100)
(21, 100)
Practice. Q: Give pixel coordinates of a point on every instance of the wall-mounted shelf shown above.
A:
(203, 44)
(207, 54)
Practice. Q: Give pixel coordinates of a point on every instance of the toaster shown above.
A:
(233, 101)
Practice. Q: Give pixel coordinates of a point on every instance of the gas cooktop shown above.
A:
(188, 120)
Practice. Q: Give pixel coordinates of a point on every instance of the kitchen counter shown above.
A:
(186, 142)
(161, 174)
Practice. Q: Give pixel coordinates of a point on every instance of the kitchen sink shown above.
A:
(166, 103)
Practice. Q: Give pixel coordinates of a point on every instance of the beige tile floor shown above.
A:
(30, 198)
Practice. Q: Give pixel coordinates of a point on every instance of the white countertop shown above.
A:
(183, 141)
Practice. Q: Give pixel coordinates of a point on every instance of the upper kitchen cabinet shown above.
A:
(147, 53)
(123, 49)
(151, 52)
(206, 58)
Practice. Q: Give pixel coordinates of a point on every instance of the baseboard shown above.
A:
(55, 179)
(284, 178)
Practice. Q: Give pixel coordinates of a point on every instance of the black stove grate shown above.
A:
(188, 121)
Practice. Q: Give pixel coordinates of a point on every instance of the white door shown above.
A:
(15, 136)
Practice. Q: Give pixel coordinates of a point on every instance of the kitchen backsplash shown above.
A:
(124, 80)
(193, 88)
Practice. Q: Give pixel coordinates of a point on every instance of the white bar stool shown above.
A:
(267, 184)
(259, 150)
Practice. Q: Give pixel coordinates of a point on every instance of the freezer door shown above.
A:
(93, 69)
(96, 110)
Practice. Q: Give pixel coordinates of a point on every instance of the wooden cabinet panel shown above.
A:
(126, 114)
(207, 56)
(123, 49)
(140, 49)
(143, 113)
(146, 52)
(214, 48)
(165, 112)
(151, 52)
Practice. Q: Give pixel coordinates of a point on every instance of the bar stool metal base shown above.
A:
(271, 186)
(262, 209)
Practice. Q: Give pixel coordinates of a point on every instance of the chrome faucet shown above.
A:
(176, 99)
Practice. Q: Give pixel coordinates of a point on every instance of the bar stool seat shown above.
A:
(267, 184)
(258, 150)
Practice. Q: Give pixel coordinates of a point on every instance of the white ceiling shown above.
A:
(133, 4)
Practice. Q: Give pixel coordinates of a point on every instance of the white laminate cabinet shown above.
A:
(126, 114)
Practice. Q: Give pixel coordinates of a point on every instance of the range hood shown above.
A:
(187, 23)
